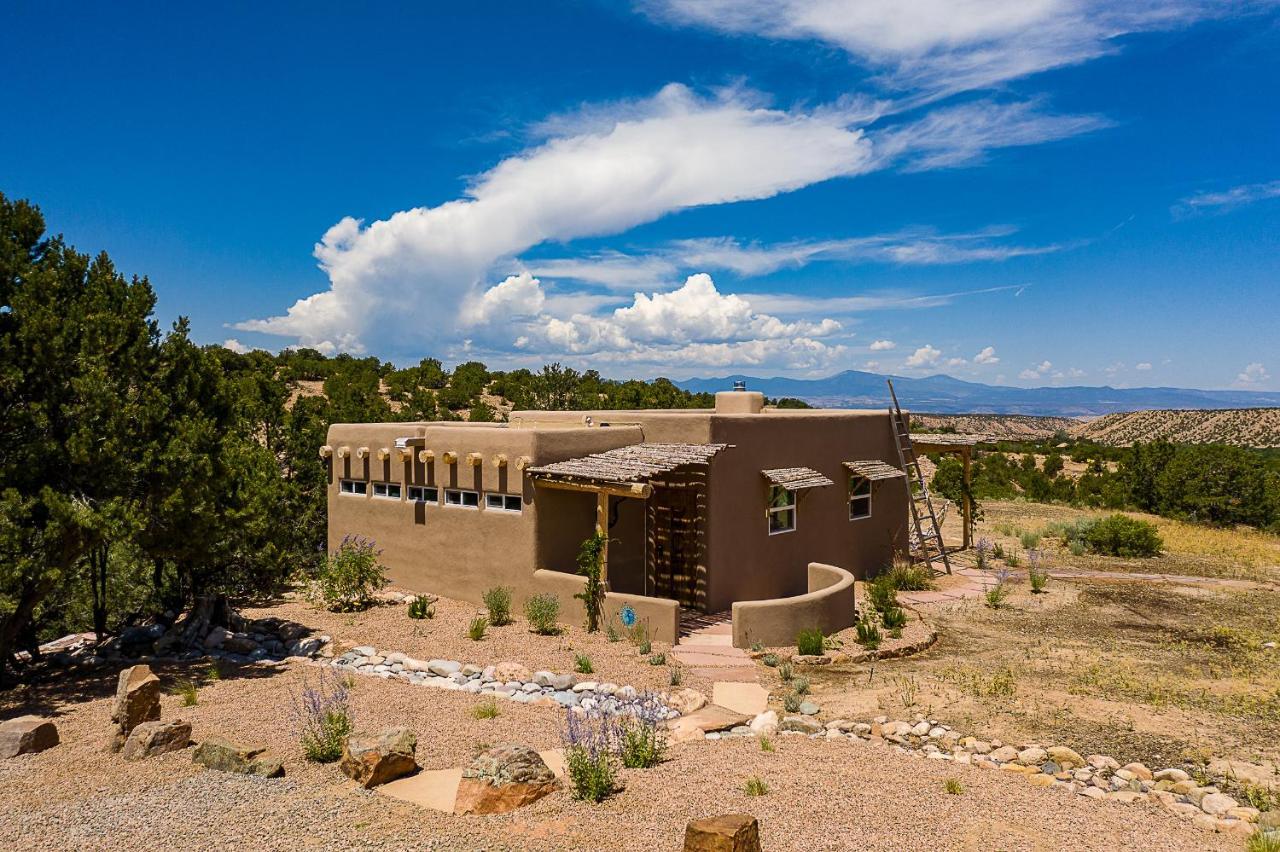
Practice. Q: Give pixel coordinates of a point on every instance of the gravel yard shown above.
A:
(388, 627)
(822, 795)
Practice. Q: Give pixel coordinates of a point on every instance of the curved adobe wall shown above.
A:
(828, 605)
(661, 614)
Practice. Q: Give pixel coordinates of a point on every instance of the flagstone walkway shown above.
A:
(707, 650)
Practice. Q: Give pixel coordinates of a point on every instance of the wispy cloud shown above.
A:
(918, 247)
(1228, 199)
(943, 47)
(963, 135)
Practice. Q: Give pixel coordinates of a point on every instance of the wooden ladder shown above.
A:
(930, 550)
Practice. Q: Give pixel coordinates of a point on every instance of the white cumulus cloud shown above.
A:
(670, 152)
(986, 356)
(1038, 371)
(882, 345)
(1253, 374)
(925, 356)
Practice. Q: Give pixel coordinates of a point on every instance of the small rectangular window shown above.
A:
(462, 499)
(354, 486)
(387, 490)
(859, 497)
(423, 494)
(782, 510)
(503, 502)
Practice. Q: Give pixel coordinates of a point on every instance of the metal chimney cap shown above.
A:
(740, 385)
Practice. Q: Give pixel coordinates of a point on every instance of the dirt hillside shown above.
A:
(1243, 427)
(1012, 427)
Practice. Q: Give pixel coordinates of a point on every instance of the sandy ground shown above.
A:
(822, 795)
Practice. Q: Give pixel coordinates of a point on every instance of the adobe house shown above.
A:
(705, 509)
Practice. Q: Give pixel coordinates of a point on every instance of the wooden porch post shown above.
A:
(966, 505)
(602, 527)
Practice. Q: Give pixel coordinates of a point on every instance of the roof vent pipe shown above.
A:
(740, 385)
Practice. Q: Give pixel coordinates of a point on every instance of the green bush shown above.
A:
(658, 659)
(791, 702)
(498, 601)
(420, 608)
(1121, 535)
(487, 709)
(323, 716)
(582, 664)
(348, 578)
(784, 672)
(770, 660)
(868, 632)
(541, 611)
(642, 738)
(894, 619)
(810, 643)
(478, 627)
(882, 593)
(908, 576)
(755, 786)
(801, 685)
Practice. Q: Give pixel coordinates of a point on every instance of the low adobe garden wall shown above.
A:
(661, 614)
(828, 606)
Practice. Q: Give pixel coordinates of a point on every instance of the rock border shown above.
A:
(1095, 777)
(508, 680)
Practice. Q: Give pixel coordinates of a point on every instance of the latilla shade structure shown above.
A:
(796, 478)
(625, 465)
(874, 470)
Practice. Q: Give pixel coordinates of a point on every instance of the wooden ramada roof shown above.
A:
(874, 469)
(795, 478)
(632, 463)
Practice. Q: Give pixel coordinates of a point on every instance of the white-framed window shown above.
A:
(354, 486)
(859, 497)
(387, 490)
(423, 494)
(782, 510)
(462, 499)
(503, 502)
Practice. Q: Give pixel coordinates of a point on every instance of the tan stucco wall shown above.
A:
(460, 552)
(746, 562)
(828, 605)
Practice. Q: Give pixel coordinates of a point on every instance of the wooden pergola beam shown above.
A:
(638, 490)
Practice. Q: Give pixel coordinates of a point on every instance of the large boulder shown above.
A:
(685, 701)
(152, 738)
(377, 759)
(137, 701)
(26, 735)
(226, 756)
(728, 833)
(502, 779)
(1065, 757)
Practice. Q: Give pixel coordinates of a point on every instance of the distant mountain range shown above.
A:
(947, 395)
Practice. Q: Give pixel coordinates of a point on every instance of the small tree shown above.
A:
(590, 565)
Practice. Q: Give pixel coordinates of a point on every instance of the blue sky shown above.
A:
(1026, 192)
